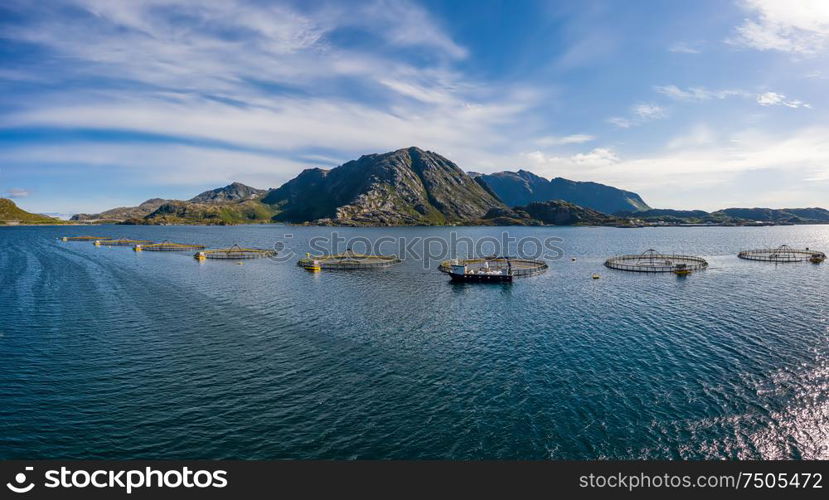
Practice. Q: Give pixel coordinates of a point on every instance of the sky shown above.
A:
(693, 105)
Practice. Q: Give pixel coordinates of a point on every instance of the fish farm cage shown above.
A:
(518, 267)
(234, 253)
(783, 253)
(85, 238)
(650, 261)
(121, 243)
(167, 246)
(347, 261)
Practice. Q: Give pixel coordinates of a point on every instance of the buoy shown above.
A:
(573, 259)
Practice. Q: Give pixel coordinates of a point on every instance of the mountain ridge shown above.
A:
(123, 213)
(551, 212)
(523, 187)
(412, 186)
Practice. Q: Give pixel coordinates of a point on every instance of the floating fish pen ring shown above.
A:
(121, 243)
(347, 261)
(234, 253)
(167, 246)
(85, 238)
(517, 267)
(650, 261)
(783, 253)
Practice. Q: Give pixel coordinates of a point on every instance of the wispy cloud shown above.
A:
(800, 27)
(649, 111)
(684, 48)
(698, 94)
(639, 114)
(16, 193)
(564, 140)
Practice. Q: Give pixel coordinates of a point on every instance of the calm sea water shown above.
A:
(106, 353)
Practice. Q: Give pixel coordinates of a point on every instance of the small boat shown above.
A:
(681, 270)
(312, 266)
(462, 273)
(596, 276)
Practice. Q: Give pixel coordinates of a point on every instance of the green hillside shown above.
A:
(11, 213)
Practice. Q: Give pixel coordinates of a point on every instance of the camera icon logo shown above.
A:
(19, 485)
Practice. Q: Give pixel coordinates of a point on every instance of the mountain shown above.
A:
(552, 212)
(664, 212)
(523, 187)
(784, 215)
(671, 216)
(231, 193)
(738, 216)
(123, 213)
(404, 187)
(10, 213)
(415, 187)
(213, 213)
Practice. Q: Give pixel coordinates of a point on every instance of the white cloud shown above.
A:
(640, 114)
(649, 111)
(597, 157)
(564, 140)
(800, 26)
(775, 99)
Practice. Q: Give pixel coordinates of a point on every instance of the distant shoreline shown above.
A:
(282, 224)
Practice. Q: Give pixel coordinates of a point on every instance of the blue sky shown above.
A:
(704, 104)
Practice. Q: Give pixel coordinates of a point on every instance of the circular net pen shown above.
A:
(347, 261)
(234, 253)
(121, 243)
(167, 246)
(519, 268)
(85, 238)
(783, 253)
(650, 261)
